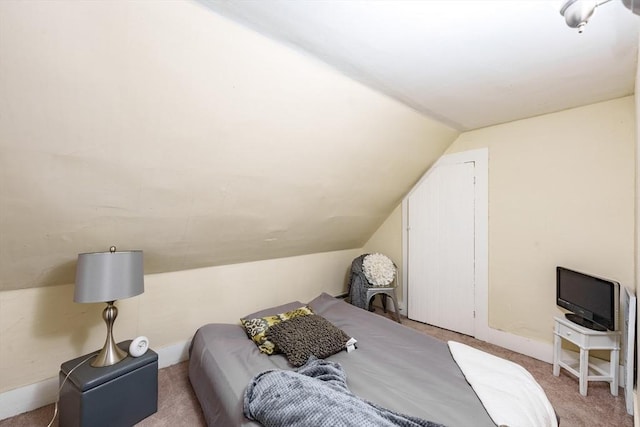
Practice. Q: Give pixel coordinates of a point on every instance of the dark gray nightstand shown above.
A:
(118, 395)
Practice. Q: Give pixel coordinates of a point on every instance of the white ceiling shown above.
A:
(467, 64)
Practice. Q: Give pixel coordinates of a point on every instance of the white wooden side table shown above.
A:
(586, 339)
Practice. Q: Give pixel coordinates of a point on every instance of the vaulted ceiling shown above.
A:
(168, 127)
(466, 63)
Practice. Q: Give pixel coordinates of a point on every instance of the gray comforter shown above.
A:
(316, 395)
(394, 366)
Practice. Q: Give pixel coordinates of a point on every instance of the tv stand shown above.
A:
(586, 339)
(579, 320)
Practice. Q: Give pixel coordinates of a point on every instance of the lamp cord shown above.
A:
(55, 408)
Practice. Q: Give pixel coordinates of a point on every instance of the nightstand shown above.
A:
(118, 395)
(586, 339)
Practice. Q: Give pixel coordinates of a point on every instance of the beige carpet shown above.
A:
(178, 406)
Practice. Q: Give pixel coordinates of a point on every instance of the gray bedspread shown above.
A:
(394, 367)
(316, 395)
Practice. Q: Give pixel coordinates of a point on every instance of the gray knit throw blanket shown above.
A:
(358, 284)
(316, 395)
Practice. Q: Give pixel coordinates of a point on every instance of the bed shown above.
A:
(394, 367)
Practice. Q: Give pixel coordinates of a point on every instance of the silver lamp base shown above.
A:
(110, 353)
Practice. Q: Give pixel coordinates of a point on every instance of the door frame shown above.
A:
(481, 245)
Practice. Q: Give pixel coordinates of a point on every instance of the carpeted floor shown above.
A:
(178, 406)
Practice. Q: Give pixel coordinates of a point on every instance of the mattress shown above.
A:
(393, 366)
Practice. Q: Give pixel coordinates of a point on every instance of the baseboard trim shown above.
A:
(636, 420)
(33, 396)
(176, 353)
(28, 398)
(532, 348)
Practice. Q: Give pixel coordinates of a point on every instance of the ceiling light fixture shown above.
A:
(632, 5)
(577, 12)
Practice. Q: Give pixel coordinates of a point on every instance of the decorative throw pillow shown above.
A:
(271, 311)
(256, 328)
(378, 269)
(301, 337)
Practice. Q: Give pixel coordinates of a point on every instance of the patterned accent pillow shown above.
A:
(302, 337)
(257, 328)
(378, 269)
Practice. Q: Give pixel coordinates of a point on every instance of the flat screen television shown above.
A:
(594, 302)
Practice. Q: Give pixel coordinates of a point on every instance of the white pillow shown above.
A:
(378, 269)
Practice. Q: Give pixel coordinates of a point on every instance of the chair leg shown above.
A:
(395, 305)
(383, 297)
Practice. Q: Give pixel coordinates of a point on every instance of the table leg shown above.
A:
(615, 356)
(557, 348)
(584, 370)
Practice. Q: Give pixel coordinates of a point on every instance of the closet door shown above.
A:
(441, 259)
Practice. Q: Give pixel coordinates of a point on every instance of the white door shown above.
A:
(441, 258)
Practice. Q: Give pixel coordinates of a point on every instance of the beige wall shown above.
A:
(561, 192)
(162, 126)
(42, 327)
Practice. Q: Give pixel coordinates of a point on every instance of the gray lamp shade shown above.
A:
(108, 276)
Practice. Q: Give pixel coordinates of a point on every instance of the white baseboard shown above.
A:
(403, 308)
(532, 348)
(176, 353)
(43, 393)
(28, 398)
(636, 419)
(536, 349)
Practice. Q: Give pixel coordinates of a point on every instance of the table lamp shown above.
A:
(107, 277)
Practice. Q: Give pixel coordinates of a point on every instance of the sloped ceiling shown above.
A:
(168, 127)
(467, 63)
(165, 127)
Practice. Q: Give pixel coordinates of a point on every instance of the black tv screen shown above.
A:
(594, 302)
